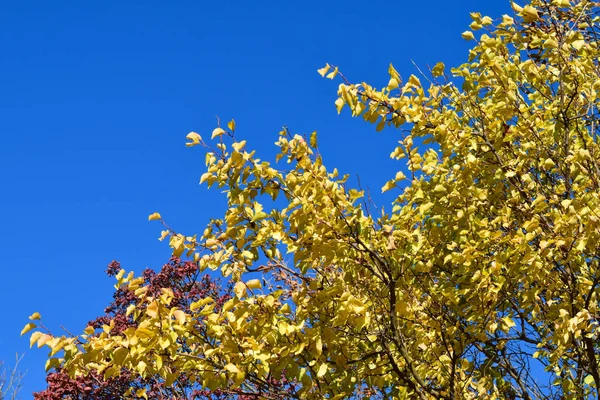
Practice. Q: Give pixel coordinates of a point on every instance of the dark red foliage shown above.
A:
(182, 277)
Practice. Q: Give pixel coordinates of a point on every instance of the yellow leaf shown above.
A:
(52, 363)
(475, 26)
(439, 189)
(285, 309)
(388, 186)
(205, 176)
(195, 139)
(548, 163)
(393, 73)
(468, 35)
(43, 339)
(253, 284)
(333, 73)
(319, 346)
(179, 316)
(154, 216)
(163, 235)
(27, 328)
(166, 295)
(578, 45)
(238, 146)
(313, 139)
(170, 379)
(529, 13)
(508, 322)
(232, 368)
(339, 104)
(152, 309)
(56, 344)
(438, 69)
(35, 316)
(550, 44)
(516, 7)
(323, 71)
(217, 132)
(177, 243)
(239, 289)
(34, 337)
(322, 370)
(200, 303)
(141, 368)
(239, 377)
(128, 311)
(231, 125)
(144, 333)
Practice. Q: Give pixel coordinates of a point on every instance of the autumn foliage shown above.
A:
(480, 280)
(183, 279)
(187, 285)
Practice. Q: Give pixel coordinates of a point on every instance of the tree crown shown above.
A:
(486, 264)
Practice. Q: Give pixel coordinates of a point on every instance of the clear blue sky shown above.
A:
(97, 98)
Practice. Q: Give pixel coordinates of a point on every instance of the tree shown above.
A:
(183, 281)
(484, 271)
(10, 380)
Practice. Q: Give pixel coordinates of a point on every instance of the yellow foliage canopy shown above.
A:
(487, 262)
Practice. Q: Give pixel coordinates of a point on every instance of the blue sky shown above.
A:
(97, 100)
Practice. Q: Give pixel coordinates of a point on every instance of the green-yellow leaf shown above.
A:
(588, 380)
